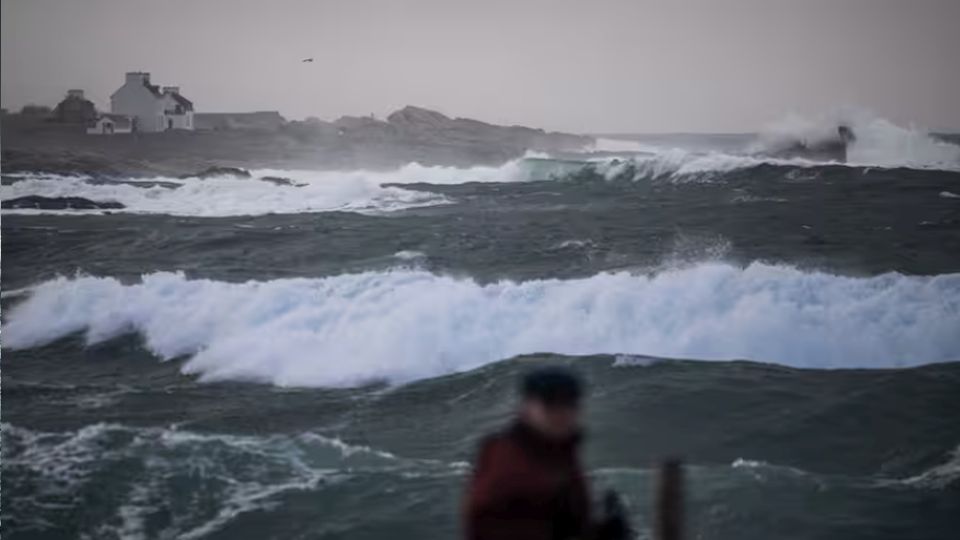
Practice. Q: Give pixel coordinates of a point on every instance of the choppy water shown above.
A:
(232, 358)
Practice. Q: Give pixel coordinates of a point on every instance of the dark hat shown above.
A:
(552, 385)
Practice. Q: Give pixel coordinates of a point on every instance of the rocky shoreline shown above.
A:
(411, 134)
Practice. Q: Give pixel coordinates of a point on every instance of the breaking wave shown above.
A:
(677, 165)
(227, 196)
(939, 476)
(271, 190)
(404, 325)
(603, 144)
(879, 142)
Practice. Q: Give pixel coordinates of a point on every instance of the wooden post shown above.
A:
(669, 501)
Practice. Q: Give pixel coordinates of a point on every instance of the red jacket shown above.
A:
(527, 487)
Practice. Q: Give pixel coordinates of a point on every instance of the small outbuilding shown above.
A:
(110, 124)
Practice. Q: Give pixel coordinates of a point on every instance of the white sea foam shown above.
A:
(14, 293)
(879, 142)
(349, 191)
(634, 360)
(603, 144)
(230, 196)
(312, 191)
(679, 165)
(939, 476)
(574, 244)
(404, 325)
(409, 255)
(241, 473)
(741, 463)
(761, 470)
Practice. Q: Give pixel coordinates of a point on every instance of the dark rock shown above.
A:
(136, 184)
(281, 181)
(421, 134)
(211, 172)
(418, 116)
(831, 149)
(59, 203)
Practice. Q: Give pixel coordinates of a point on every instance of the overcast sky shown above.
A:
(583, 65)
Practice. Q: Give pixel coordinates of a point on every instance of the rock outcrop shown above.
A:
(211, 172)
(59, 203)
(351, 142)
(416, 125)
(426, 136)
(280, 181)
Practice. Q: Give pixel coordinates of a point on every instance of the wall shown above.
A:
(107, 127)
(179, 121)
(134, 99)
(176, 121)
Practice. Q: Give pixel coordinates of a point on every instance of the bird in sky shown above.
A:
(308, 59)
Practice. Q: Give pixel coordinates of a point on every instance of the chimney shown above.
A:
(171, 89)
(138, 77)
(75, 94)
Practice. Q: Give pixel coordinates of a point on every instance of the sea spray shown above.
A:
(404, 325)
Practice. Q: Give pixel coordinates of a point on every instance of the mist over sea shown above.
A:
(316, 356)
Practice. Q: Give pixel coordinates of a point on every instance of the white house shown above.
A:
(153, 109)
(108, 124)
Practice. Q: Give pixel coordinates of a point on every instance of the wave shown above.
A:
(677, 165)
(273, 191)
(404, 325)
(298, 191)
(938, 476)
(879, 142)
(602, 144)
(225, 196)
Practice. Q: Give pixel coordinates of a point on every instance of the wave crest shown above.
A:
(879, 142)
(405, 325)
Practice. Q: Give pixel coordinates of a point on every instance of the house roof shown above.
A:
(182, 101)
(154, 89)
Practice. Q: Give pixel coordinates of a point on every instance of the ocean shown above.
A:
(317, 357)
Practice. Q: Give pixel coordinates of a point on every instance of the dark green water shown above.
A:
(327, 374)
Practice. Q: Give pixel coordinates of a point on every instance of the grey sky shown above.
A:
(586, 65)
